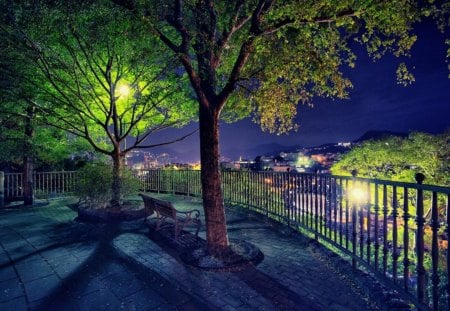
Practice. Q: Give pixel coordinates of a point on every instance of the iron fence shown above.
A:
(45, 184)
(397, 230)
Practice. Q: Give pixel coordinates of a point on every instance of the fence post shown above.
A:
(2, 189)
(354, 233)
(420, 245)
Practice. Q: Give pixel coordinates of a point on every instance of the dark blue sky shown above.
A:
(376, 102)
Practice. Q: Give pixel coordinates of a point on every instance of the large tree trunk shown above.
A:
(27, 181)
(216, 229)
(116, 198)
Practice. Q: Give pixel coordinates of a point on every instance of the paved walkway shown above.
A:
(50, 262)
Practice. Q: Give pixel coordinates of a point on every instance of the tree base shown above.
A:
(239, 255)
(127, 212)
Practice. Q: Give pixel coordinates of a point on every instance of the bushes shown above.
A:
(94, 186)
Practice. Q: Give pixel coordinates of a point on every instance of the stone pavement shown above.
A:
(50, 262)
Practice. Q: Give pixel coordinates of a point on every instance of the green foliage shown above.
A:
(400, 159)
(98, 75)
(94, 184)
(23, 128)
(263, 58)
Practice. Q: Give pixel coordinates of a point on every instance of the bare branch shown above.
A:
(165, 143)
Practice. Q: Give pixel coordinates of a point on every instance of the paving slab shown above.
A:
(48, 261)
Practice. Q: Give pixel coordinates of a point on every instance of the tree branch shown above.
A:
(165, 143)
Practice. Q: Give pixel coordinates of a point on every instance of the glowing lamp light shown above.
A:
(357, 195)
(123, 90)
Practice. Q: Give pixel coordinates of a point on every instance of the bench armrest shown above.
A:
(189, 215)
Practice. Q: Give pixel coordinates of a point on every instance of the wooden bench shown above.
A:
(164, 211)
(149, 206)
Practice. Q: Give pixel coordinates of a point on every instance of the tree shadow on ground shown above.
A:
(281, 297)
(95, 273)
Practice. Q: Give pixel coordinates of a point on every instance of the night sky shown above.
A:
(376, 102)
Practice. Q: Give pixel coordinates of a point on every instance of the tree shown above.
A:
(264, 57)
(396, 158)
(98, 78)
(17, 112)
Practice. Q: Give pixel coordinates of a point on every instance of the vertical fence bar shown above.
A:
(260, 190)
(332, 209)
(420, 246)
(319, 194)
(47, 183)
(385, 227)
(158, 179)
(247, 188)
(316, 206)
(406, 262)
(435, 250)
(298, 183)
(302, 199)
(354, 233)
(394, 234)
(377, 229)
(361, 225)
(308, 201)
(369, 224)
(447, 229)
(341, 208)
(347, 217)
(328, 209)
(267, 192)
(172, 180)
(2, 189)
(323, 201)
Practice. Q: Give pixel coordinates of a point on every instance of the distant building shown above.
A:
(230, 165)
(282, 168)
(263, 163)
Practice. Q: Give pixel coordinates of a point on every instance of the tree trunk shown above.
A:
(116, 197)
(216, 229)
(27, 181)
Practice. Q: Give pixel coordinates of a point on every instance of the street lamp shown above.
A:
(123, 90)
(357, 195)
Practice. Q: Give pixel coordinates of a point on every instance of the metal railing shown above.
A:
(397, 230)
(45, 184)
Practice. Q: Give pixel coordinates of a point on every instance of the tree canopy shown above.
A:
(265, 57)
(397, 158)
(97, 75)
(101, 79)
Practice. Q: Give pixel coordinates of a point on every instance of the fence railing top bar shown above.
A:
(55, 172)
(425, 187)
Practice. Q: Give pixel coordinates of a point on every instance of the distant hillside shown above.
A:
(327, 148)
(274, 149)
(377, 135)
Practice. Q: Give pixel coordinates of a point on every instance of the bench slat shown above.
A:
(165, 209)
